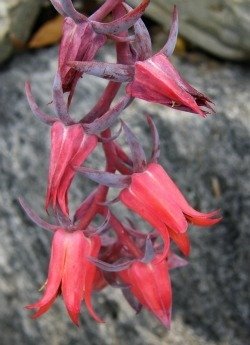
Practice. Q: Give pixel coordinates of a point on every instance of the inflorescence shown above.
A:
(86, 258)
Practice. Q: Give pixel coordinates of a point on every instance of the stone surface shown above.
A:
(221, 27)
(16, 20)
(210, 161)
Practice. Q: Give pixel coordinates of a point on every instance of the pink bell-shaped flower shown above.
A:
(151, 77)
(157, 80)
(70, 273)
(152, 194)
(155, 197)
(83, 37)
(150, 284)
(79, 42)
(70, 146)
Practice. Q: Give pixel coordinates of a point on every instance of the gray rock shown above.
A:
(211, 300)
(220, 27)
(16, 20)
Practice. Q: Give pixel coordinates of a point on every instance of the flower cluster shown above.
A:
(84, 257)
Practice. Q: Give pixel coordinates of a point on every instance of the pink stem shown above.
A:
(102, 192)
(123, 236)
(122, 155)
(104, 10)
(103, 105)
(98, 110)
(123, 56)
(122, 168)
(122, 48)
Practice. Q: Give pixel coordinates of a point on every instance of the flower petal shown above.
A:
(195, 217)
(94, 248)
(154, 194)
(82, 150)
(56, 266)
(146, 212)
(74, 273)
(181, 240)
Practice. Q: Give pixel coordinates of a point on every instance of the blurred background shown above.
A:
(208, 158)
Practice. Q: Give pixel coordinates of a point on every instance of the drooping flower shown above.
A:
(152, 77)
(70, 273)
(75, 45)
(70, 146)
(84, 258)
(83, 36)
(152, 194)
(157, 80)
(71, 142)
(150, 284)
(79, 42)
(155, 197)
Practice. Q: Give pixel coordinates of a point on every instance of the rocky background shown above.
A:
(208, 158)
(220, 27)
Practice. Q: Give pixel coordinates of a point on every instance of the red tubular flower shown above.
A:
(85, 258)
(80, 43)
(156, 80)
(155, 197)
(150, 284)
(83, 37)
(70, 273)
(152, 77)
(152, 194)
(70, 146)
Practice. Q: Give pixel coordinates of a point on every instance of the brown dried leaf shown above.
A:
(48, 34)
(181, 46)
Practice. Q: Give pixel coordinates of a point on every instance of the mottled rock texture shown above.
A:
(16, 20)
(208, 158)
(221, 27)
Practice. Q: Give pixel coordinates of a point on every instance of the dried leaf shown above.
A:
(48, 34)
(181, 46)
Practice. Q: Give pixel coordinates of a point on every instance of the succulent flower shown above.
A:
(156, 80)
(70, 146)
(151, 77)
(85, 257)
(70, 273)
(150, 284)
(152, 194)
(156, 198)
(83, 37)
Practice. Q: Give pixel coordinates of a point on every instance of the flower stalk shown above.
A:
(86, 257)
